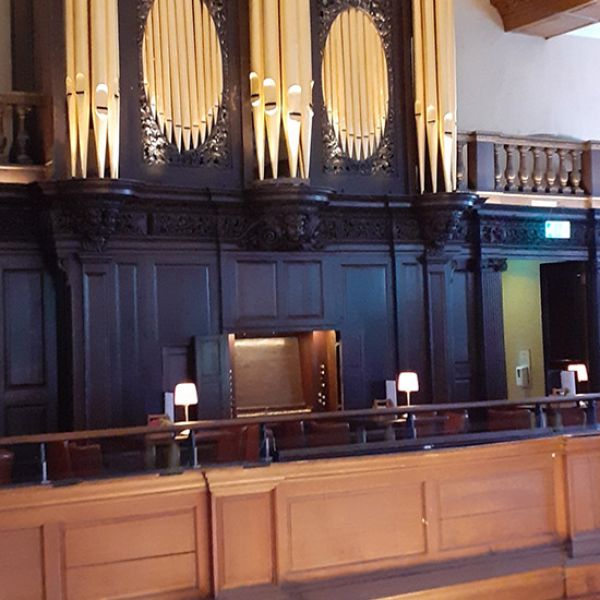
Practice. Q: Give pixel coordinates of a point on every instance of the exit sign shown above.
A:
(558, 230)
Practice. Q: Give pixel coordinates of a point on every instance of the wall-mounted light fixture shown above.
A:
(434, 58)
(281, 83)
(92, 83)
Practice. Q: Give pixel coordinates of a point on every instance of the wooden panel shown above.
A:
(136, 578)
(129, 539)
(21, 564)
(26, 420)
(184, 302)
(387, 523)
(304, 290)
(255, 290)
(367, 333)
(99, 321)
(583, 581)
(129, 345)
(24, 328)
(244, 537)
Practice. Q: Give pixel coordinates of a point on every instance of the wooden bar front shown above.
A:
(517, 520)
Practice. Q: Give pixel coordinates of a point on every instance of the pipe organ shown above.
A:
(183, 71)
(434, 58)
(92, 83)
(281, 83)
(355, 83)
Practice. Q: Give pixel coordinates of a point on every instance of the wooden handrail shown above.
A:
(349, 415)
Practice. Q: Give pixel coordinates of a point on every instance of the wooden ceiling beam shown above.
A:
(547, 18)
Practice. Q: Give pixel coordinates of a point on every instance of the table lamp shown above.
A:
(580, 370)
(408, 382)
(186, 395)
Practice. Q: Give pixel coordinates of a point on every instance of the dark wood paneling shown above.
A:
(99, 320)
(368, 344)
(184, 302)
(255, 291)
(303, 290)
(24, 328)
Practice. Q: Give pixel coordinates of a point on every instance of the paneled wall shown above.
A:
(28, 373)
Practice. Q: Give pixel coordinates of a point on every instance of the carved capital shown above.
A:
(441, 217)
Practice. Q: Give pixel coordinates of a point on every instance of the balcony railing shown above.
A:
(536, 165)
(24, 136)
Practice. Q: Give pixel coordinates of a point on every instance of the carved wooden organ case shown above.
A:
(231, 94)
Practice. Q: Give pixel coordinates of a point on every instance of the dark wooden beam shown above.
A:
(547, 18)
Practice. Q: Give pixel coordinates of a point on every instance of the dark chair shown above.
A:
(239, 444)
(6, 463)
(457, 422)
(289, 435)
(508, 419)
(327, 434)
(69, 460)
(566, 416)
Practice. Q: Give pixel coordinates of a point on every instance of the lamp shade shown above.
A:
(408, 382)
(186, 394)
(581, 370)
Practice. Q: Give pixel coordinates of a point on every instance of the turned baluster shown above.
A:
(575, 179)
(511, 168)
(22, 137)
(524, 168)
(497, 168)
(538, 170)
(3, 139)
(550, 172)
(563, 173)
(460, 165)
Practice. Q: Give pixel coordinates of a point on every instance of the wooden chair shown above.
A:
(68, 460)
(289, 435)
(566, 416)
(327, 434)
(508, 419)
(239, 444)
(6, 463)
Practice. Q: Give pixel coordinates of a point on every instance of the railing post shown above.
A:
(411, 430)
(265, 444)
(590, 169)
(194, 449)
(591, 413)
(480, 165)
(44, 464)
(540, 417)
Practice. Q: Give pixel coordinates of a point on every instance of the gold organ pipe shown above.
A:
(82, 79)
(379, 93)
(70, 82)
(356, 85)
(364, 96)
(200, 70)
(174, 73)
(431, 88)
(191, 71)
(208, 68)
(348, 81)
(219, 90)
(149, 74)
(114, 93)
(272, 81)
(419, 85)
(340, 83)
(214, 51)
(292, 87)
(257, 77)
(326, 78)
(306, 81)
(371, 67)
(99, 40)
(184, 82)
(160, 94)
(162, 7)
(335, 92)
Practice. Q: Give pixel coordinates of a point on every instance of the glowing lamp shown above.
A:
(580, 370)
(408, 382)
(186, 395)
